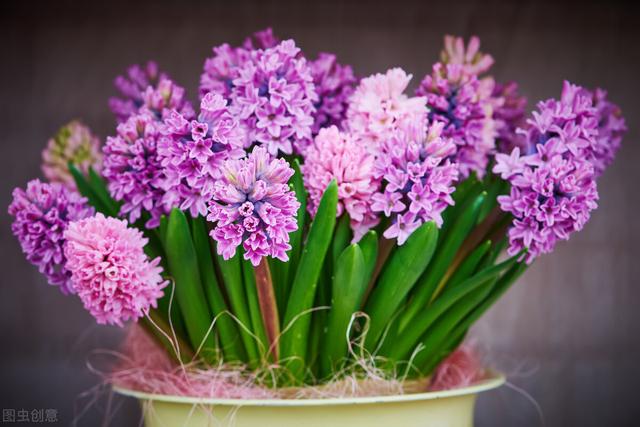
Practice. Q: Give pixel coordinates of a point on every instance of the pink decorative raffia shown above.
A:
(461, 369)
(144, 366)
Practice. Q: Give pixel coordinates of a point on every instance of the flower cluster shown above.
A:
(334, 85)
(41, 214)
(335, 155)
(222, 68)
(463, 104)
(472, 61)
(132, 168)
(146, 87)
(110, 271)
(553, 188)
(611, 129)
(73, 143)
(417, 177)
(192, 152)
(253, 206)
(379, 106)
(509, 115)
(274, 96)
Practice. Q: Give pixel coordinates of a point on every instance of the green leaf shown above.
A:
(303, 291)
(439, 310)
(398, 276)
(500, 287)
(369, 246)
(231, 274)
(283, 271)
(85, 189)
(349, 286)
(253, 304)
(469, 265)
(447, 250)
(183, 266)
(99, 188)
(226, 327)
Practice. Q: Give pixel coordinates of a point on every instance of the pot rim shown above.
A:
(495, 380)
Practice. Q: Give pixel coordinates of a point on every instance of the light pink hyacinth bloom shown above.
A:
(335, 155)
(379, 106)
(109, 270)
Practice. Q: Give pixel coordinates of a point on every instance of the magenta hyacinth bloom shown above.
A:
(334, 85)
(132, 168)
(611, 129)
(553, 187)
(379, 107)
(110, 272)
(41, 214)
(252, 205)
(148, 87)
(273, 97)
(417, 178)
(192, 152)
(462, 103)
(472, 61)
(334, 155)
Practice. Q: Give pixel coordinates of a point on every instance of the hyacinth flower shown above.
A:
(42, 213)
(553, 187)
(611, 129)
(253, 206)
(417, 178)
(132, 168)
(462, 103)
(469, 57)
(273, 97)
(148, 88)
(379, 106)
(334, 83)
(507, 105)
(223, 67)
(335, 155)
(73, 143)
(109, 270)
(191, 153)
(509, 115)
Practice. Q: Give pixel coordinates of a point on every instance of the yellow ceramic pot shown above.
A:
(450, 408)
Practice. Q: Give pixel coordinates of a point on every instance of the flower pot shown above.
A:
(450, 408)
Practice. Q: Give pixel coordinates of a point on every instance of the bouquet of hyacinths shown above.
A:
(309, 224)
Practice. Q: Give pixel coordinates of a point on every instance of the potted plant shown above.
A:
(307, 245)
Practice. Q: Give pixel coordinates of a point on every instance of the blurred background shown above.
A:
(567, 334)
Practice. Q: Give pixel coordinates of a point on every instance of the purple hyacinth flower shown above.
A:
(41, 214)
(252, 205)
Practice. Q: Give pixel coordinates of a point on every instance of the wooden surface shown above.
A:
(567, 333)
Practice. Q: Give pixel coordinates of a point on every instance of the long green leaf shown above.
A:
(369, 246)
(501, 286)
(303, 291)
(183, 266)
(427, 284)
(231, 276)
(231, 345)
(349, 286)
(85, 190)
(284, 271)
(99, 188)
(469, 265)
(398, 276)
(407, 341)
